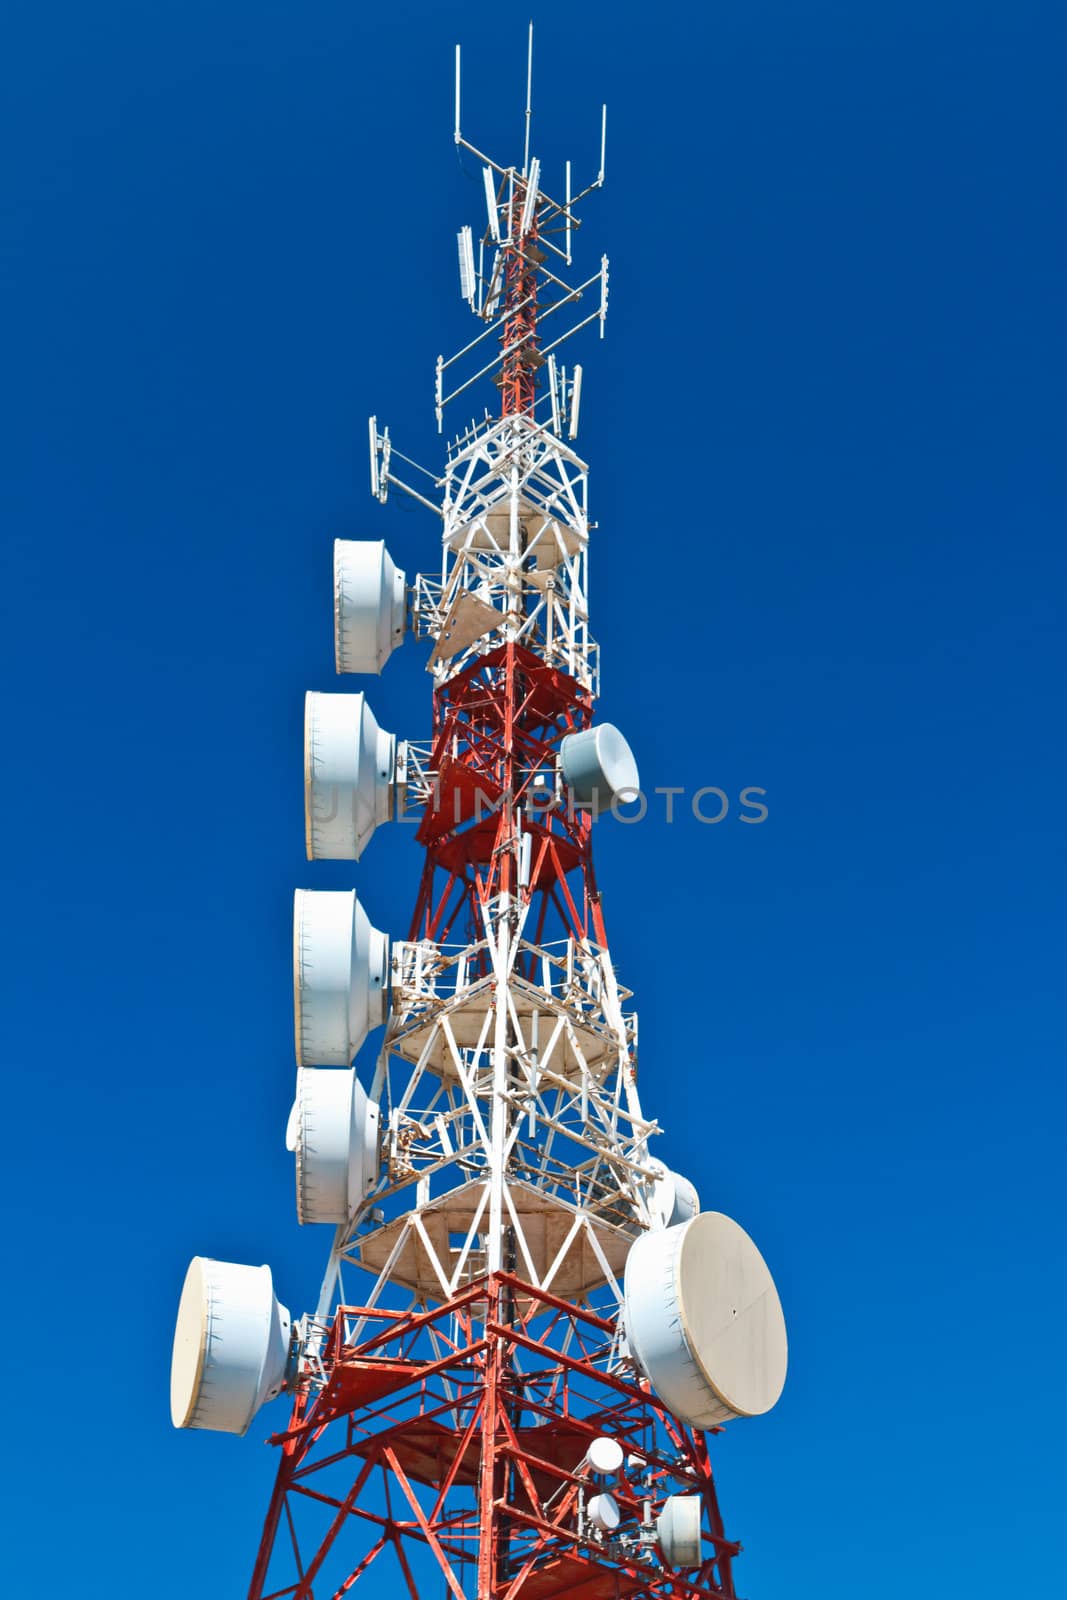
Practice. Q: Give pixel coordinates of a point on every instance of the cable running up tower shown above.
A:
(515, 1403)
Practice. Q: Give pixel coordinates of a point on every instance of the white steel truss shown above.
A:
(510, 1107)
(515, 548)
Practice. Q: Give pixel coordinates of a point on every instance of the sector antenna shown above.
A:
(527, 1327)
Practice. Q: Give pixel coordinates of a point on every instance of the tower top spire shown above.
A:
(512, 281)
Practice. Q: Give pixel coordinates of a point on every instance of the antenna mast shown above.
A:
(529, 95)
(514, 1402)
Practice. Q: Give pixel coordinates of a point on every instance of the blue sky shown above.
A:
(825, 432)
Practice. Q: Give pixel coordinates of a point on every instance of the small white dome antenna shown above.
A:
(604, 1456)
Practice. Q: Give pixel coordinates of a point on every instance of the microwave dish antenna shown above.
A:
(598, 766)
(350, 776)
(603, 1512)
(368, 604)
(232, 1346)
(604, 1456)
(340, 976)
(335, 1138)
(674, 1199)
(704, 1320)
(678, 1530)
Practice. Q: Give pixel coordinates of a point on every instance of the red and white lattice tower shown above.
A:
(514, 1403)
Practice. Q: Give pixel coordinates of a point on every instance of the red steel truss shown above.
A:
(518, 374)
(454, 1440)
(497, 727)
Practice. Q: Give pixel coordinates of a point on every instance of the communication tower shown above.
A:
(514, 1403)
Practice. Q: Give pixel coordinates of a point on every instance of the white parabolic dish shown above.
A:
(335, 1139)
(349, 768)
(704, 1320)
(678, 1530)
(231, 1346)
(605, 1455)
(369, 597)
(603, 1512)
(598, 766)
(340, 976)
(674, 1199)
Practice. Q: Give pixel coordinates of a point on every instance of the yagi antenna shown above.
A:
(529, 206)
(465, 245)
(490, 203)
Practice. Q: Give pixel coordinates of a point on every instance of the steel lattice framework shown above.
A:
(451, 1437)
(443, 1421)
